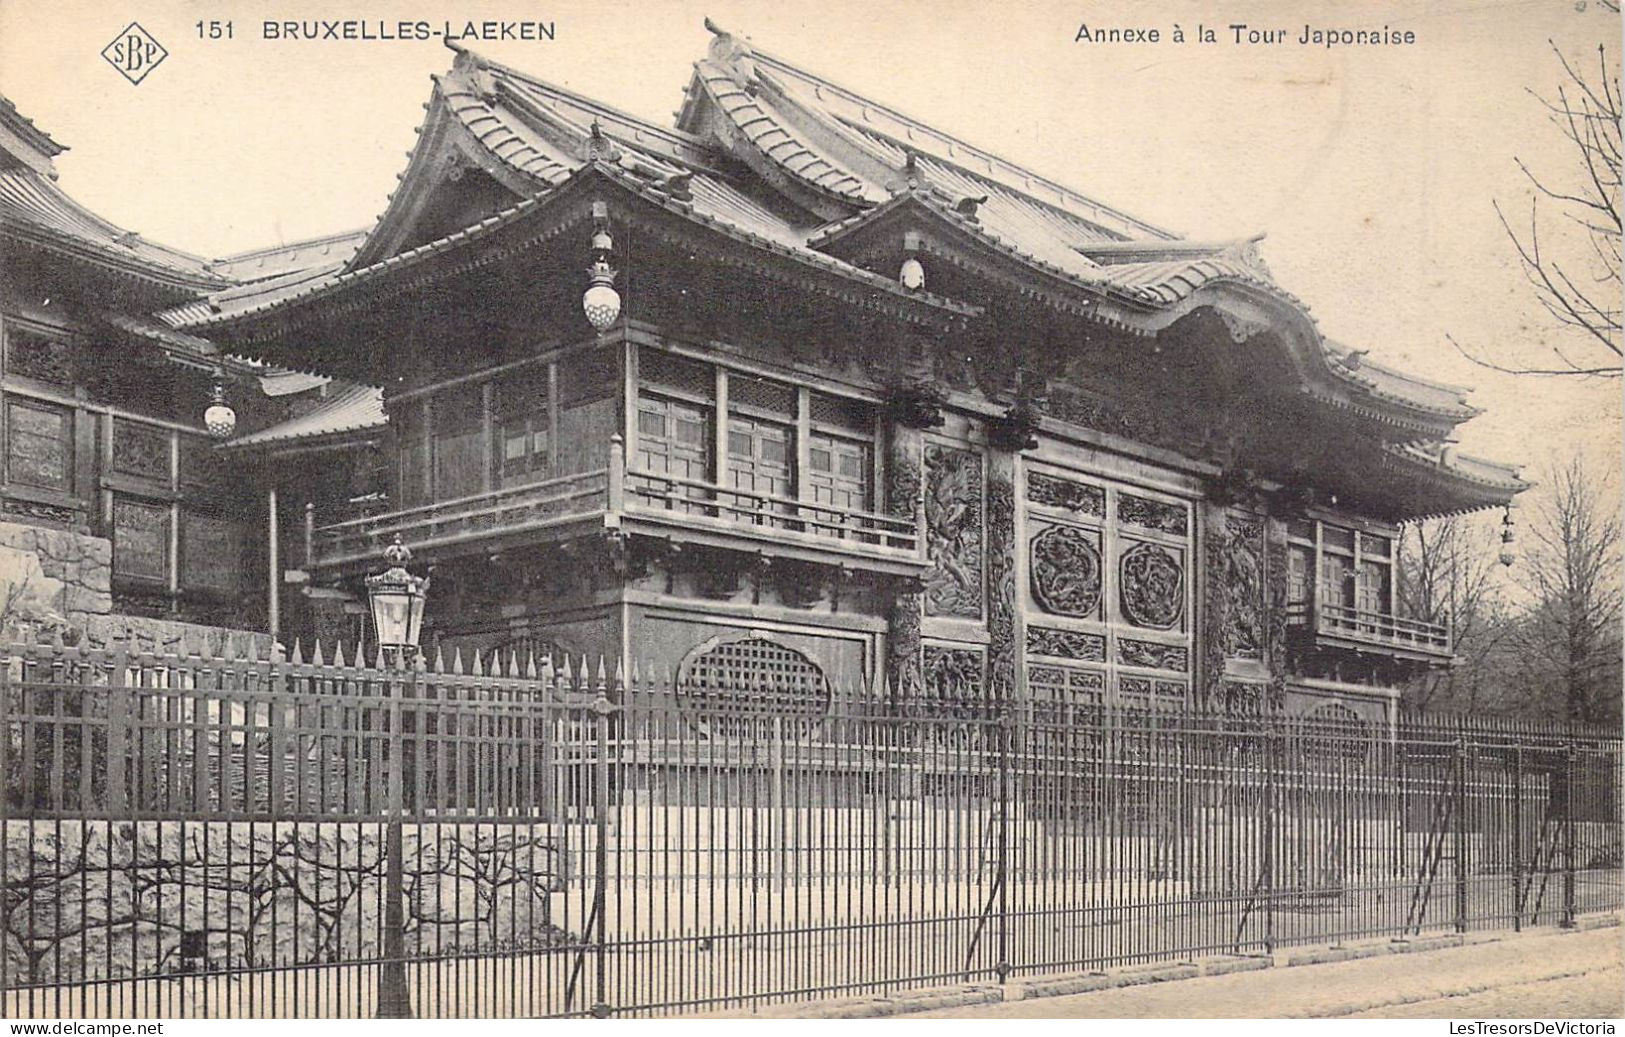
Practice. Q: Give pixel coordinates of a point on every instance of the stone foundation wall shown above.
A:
(56, 582)
(97, 900)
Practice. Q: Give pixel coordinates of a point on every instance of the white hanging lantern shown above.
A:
(912, 275)
(1509, 539)
(601, 302)
(219, 419)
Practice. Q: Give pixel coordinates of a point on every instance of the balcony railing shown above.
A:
(815, 526)
(1342, 624)
(660, 505)
(511, 510)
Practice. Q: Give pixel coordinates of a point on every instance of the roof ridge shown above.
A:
(269, 250)
(671, 132)
(853, 96)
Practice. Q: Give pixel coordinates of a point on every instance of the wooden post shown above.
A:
(273, 602)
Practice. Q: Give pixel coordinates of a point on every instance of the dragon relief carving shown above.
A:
(953, 531)
(1064, 574)
(1152, 586)
(1243, 572)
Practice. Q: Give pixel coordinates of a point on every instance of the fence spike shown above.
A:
(530, 665)
(316, 654)
(620, 675)
(568, 677)
(457, 660)
(297, 658)
(602, 683)
(438, 663)
(338, 655)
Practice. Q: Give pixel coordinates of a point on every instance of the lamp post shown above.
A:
(397, 599)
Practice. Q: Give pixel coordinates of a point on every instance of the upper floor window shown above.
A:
(522, 429)
(779, 444)
(1345, 569)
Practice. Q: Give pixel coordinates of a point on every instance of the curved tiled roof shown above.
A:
(33, 207)
(352, 409)
(772, 136)
(713, 204)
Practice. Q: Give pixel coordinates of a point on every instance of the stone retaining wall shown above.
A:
(97, 899)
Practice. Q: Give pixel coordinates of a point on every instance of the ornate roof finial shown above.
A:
(598, 147)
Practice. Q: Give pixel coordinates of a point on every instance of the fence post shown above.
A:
(1003, 965)
(1569, 775)
(1517, 836)
(1274, 761)
(394, 999)
(601, 709)
(1459, 836)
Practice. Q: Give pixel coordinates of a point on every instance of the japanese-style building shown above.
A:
(800, 391)
(119, 515)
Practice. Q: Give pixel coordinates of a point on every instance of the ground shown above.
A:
(1563, 975)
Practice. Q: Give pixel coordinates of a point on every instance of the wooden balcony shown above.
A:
(637, 502)
(704, 512)
(515, 513)
(1338, 626)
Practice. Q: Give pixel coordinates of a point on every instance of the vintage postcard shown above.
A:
(719, 508)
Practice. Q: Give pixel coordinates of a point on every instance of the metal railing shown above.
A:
(1367, 627)
(234, 837)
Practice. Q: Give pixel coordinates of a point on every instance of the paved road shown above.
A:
(1551, 975)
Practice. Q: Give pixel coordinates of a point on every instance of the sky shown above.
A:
(1372, 170)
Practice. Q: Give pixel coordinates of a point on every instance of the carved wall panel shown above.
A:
(1055, 492)
(1133, 652)
(140, 540)
(1243, 582)
(953, 677)
(1152, 582)
(903, 489)
(954, 532)
(1152, 514)
(1066, 644)
(141, 450)
(1064, 571)
(45, 358)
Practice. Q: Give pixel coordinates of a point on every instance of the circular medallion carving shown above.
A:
(1065, 571)
(1153, 587)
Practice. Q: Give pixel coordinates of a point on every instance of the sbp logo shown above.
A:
(134, 53)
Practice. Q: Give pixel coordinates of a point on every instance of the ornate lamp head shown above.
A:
(219, 418)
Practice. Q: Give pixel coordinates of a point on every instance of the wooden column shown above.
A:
(904, 497)
(1004, 625)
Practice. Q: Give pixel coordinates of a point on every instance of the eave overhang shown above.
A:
(1251, 304)
(542, 218)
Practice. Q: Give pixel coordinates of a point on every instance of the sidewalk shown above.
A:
(1546, 974)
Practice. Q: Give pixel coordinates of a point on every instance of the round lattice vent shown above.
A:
(1334, 732)
(749, 681)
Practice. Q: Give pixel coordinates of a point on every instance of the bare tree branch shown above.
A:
(1586, 228)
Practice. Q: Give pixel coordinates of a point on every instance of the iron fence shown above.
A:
(239, 837)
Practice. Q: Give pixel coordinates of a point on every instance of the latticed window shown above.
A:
(751, 679)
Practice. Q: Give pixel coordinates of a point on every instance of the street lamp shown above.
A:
(397, 598)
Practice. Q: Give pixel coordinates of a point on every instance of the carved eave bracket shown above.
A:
(917, 405)
(1017, 429)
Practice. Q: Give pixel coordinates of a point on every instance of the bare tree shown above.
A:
(1447, 576)
(1579, 282)
(1568, 647)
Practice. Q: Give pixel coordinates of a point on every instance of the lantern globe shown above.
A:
(397, 598)
(601, 302)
